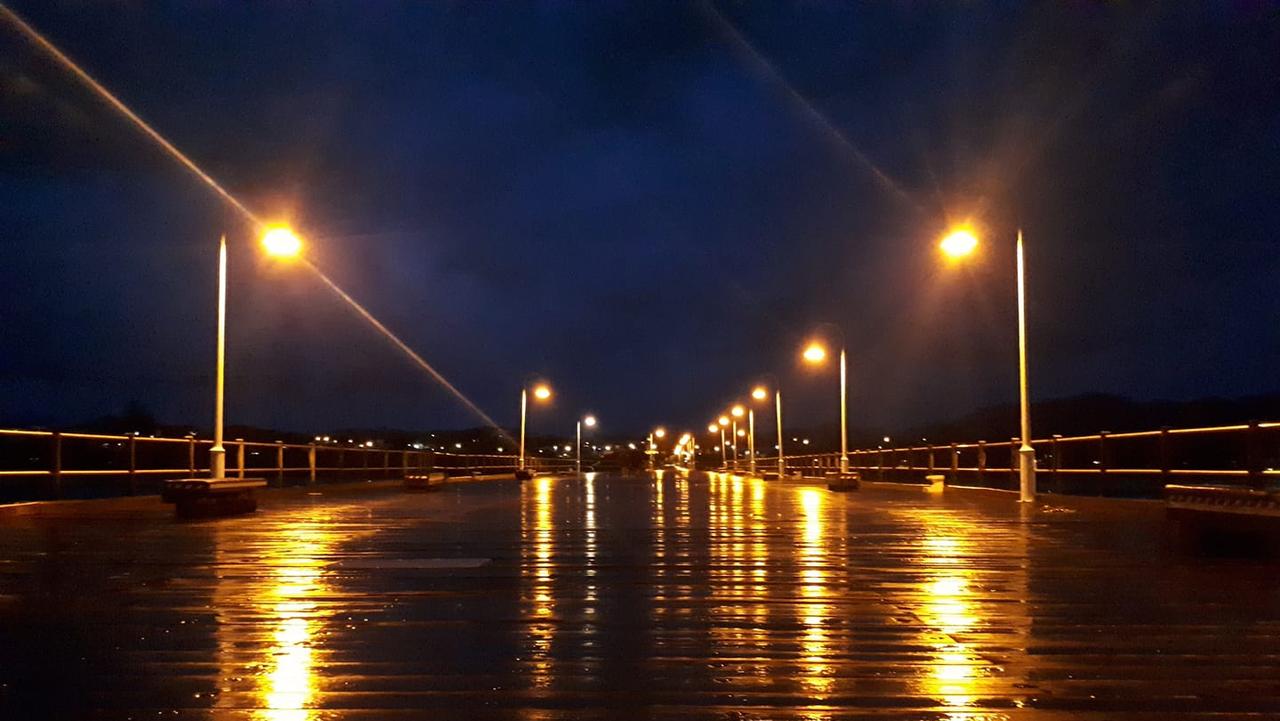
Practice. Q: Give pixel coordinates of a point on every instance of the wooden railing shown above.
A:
(37, 465)
(1134, 463)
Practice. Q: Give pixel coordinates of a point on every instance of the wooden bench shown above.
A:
(208, 497)
(1234, 519)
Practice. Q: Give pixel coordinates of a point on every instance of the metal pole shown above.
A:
(1026, 454)
(751, 440)
(735, 445)
(578, 462)
(524, 408)
(724, 451)
(777, 400)
(218, 454)
(844, 413)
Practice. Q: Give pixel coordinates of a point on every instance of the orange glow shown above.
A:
(542, 392)
(281, 242)
(959, 243)
(724, 421)
(738, 411)
(660, 433)
(759, 393)
(815, 353)
(713, 428)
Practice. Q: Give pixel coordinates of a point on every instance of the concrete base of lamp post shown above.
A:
(524, 474)
(421, 482)
(843, 481)
(211, 497)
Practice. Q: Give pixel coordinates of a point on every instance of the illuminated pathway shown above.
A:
(622, 598)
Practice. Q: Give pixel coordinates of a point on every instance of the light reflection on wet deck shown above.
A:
(611, 597)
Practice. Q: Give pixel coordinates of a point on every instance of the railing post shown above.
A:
(1014, 443)
(931, 459)
(982, 461)
(1056, 450)
(1166, 463)
(342, 464)
(955, 463)
(240, 458)
(364, 462)
(191, 454)
(133, 464)
(1102, 452)
(55, 464)
(386, 464)
(311, 463)
(880, 464)
(279, 463)
(404, 463)
(1253, 454)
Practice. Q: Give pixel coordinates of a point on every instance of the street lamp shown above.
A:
(760, 393)
(724, 448)
(279, 242)
(815, 353)
(542, 393)
(736, 412)
(653, 445)
(961, 243)
(590, 422)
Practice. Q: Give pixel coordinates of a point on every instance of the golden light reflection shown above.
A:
(537, 552)
(815, 608)
(270, 646)
(948, 610)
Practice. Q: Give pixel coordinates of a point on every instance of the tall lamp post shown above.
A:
(277, 242)
(712, 429)
(590, 422)
(654, 436)
(760, 393)
(736, 412)
(541, 393)
(815, 353)
(724, 447)
(962, 243)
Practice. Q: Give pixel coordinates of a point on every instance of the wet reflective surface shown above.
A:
(616, 597)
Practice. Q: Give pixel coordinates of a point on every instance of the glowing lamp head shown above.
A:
(815, 353)
(712, 428)
(742, 433)
(759, 393)
(660, 433)
(589, 421)
(724, 421)
(737, 411)
(959, 243)
(542, 392)
(281, 242)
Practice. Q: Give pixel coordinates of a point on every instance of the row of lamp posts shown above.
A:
(957, 245)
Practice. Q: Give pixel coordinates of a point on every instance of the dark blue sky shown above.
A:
(647, 203)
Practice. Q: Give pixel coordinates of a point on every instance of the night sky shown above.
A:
(648, 204)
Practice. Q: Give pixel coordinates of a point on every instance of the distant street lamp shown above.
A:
(713, 429)
(589, 422)
(724, 448)
(760, 393)
(278, 242)
(736, 412)
(959, 244)
(653, 445)
(815, 353)
(542, 393)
